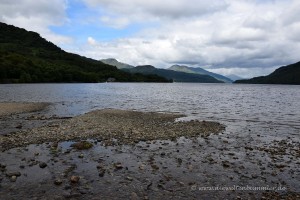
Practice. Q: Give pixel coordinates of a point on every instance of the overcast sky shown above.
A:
(243, 37)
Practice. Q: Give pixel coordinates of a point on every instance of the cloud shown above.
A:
(254, 36)
(115, 22)
(36, 16)
(294, 32)
(291, 13)
(91, 41)
(244, 72)
(159, 9)
(246, 37)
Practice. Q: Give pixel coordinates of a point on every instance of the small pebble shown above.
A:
(43, 165)
(74, 179)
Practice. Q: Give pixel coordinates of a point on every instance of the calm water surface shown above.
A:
(277, 105)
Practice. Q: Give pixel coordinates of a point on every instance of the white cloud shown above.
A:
(91, 41)
(159, 9)
(244, 72)
(254, 36)
(115, 22)
(36, 16)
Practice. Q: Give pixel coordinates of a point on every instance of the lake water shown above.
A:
(276, 105)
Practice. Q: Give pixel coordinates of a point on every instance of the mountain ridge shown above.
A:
(116, 63)
(198, 70)
(289, 74)
(174, 75)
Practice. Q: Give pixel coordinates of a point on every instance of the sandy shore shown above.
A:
(9, 108)
(15, 116)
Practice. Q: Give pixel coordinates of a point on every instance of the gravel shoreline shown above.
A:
(113, 127)
(117, 154)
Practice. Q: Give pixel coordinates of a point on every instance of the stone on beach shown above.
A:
(43, 165)
(74, 179)
(82, 145)
(58, 182)
(10, 174)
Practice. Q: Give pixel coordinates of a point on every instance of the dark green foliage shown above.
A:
(284, 75)
(25, 57)
(173, 75)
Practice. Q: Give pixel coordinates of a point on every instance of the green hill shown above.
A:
(173, 75)
(116, 63)
(25, 57)
(289, 74)
(198, 70)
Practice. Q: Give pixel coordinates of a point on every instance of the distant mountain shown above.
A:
(234, 77)
(114, 62)
(289, 74)
(198, 70)
(26, 57)
(174, 75)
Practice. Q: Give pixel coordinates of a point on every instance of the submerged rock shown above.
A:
(13, 178)
(81, 156)
(101, 172)
(82, 145)
(19, 126)
(2, 167)
(58, 182)
(74, 179)
(43, 165)
(134, 196)
(10, 174)
(118, 165)
(225, 164)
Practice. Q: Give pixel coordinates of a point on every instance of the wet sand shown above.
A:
(136, 155)
(16, 116)
(9, 108)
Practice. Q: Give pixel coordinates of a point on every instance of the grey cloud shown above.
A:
(240, 34)
(160, 9)
(259, 22)
(291, 14)
(185, 9)
(244, 45)
(51, 10)
(36, 16)
(185, 62)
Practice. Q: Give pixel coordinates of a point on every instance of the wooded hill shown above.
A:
(289, 74)
(26, 57)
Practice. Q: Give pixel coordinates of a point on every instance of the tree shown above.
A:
(25, 78)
